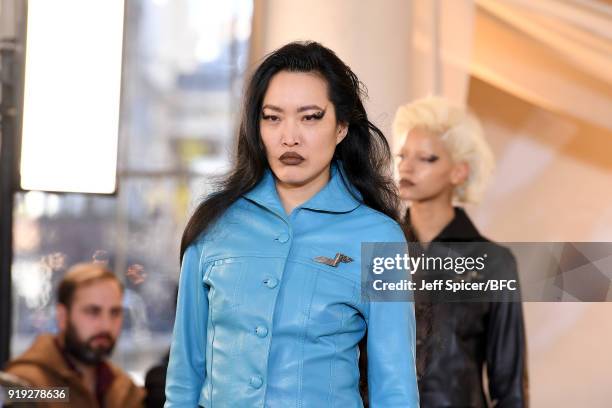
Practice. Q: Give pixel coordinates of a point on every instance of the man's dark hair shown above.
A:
(83, 274)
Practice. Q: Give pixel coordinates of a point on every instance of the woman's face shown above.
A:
(298, 128)
(426, 169)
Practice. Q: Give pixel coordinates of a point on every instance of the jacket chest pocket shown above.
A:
(331, 300)
(225, 278)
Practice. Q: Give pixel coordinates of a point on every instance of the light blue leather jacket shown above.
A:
(260, 323)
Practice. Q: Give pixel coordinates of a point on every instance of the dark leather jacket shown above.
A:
(457, 342)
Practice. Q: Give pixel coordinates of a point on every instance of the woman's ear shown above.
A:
(341, 132)
(460, 173)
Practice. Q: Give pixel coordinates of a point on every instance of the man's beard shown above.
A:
(83, 350)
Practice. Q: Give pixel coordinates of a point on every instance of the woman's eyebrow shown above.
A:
(271, 107)
(299, 110)
(310, 107)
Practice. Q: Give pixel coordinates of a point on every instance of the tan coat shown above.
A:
(42, 365)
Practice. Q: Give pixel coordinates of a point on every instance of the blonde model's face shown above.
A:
(426, 169)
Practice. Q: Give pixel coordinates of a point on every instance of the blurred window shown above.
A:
(184, 62)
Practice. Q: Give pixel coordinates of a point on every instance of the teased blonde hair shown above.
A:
(461, 133)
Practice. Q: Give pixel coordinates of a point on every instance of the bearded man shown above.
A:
(89, 318)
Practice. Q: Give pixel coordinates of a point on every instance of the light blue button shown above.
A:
(256, 381)
(261, 331)
(282, 238)
(271, 282)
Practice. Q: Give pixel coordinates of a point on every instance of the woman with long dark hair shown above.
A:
(269, 311)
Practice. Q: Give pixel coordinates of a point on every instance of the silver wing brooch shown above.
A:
(334, 262)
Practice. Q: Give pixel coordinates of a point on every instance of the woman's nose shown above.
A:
(290, 136)
(405, 166)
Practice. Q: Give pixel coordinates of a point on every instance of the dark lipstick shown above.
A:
(291, 159)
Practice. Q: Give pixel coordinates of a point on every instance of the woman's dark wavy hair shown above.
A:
(364, 152)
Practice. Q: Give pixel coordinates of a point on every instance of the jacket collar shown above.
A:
(459, 229)
(48, 352)
(338, 195)
(44, 353)
(104, 373)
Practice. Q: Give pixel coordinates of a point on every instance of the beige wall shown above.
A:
(553, 183)
(553, 180)
(371, 39)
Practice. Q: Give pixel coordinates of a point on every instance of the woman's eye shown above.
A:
(430, 159)
(314, 116)
(270, 118)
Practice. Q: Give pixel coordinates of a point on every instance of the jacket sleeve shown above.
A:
(391, 337)
(506, 349)
(186, 366)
